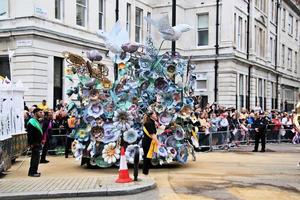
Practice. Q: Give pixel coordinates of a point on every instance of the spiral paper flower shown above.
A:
(123, 120)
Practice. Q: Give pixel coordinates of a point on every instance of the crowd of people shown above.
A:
(40, 123)
(215, 118)
(210, 119)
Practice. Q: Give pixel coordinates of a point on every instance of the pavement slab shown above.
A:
(65, 187)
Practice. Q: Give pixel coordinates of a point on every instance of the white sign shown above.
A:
(24, 43)
(40, 11)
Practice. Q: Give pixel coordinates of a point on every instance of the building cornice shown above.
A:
(46, 33)
(293, 6)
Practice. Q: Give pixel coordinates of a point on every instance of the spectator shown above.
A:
(47, 132)
(43, 106)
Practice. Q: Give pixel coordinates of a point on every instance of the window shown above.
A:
(290, 24)
(289, 59)
(201, 84)
(138, 24)
(148, 24)
(260, 92)
(297, 27)
(241, 90)
(59, 7)
(4, 67)
(234, 31)
(283, 18)
(81, 12)
(283, 55)
(101, 14)
(296, 62)
(3, 8)
(203, 30)
(260, 42)
(240, 36)
(246, 29)
(272, 50)
(57, 80)
(261, 5)
(128, 18)
(272, 11)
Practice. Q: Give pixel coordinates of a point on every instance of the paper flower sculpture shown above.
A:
(130, 47)
(182, 154)
(122, 120)
(159, 108)
(162, 152)
(172, 151)
(94, 95)
(111, 153)
(113, 41)
(90, 82)
(166, 30)
(97, 133)
(130, 136)
(82, 134)
(94, 55)
(101, 163)
(130, 153)
(161, 84)
(95, 110)
(179, 133)
(165, 118)
(111, 134)
(171, 141)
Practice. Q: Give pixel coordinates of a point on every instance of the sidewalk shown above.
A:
(65, 178)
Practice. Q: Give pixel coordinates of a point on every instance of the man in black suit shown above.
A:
(260, 125)
(34, 136)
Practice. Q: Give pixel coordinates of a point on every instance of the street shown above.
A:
(237, 174)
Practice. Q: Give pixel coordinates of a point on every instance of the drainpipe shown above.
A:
(217, 51)
(117, 18)
(250, 66)
(276, 54)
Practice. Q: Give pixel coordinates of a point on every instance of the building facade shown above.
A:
(253, 60)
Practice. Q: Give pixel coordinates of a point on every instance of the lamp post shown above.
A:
(117, 18)
(173, 24)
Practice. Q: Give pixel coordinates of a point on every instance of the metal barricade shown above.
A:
(224, 140)
(57, 141)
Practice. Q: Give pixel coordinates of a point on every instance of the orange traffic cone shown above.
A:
(123, 171)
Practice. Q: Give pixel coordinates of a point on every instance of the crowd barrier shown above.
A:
(222, 140)
(57, 141)
(219, 140)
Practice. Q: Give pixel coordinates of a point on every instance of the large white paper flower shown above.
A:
(111, 153)
(123, 120)
(130, 136)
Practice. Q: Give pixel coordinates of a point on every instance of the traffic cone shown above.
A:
(123, 171)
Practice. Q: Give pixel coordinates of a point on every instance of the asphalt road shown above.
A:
(235, 174)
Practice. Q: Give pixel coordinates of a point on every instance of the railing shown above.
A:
(57, 141)
(229, 138)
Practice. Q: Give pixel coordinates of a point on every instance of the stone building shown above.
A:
(256, 38)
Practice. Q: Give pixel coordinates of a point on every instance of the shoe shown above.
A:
(35, 175)
(254, 150)
(262, 151)
(44, 161)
